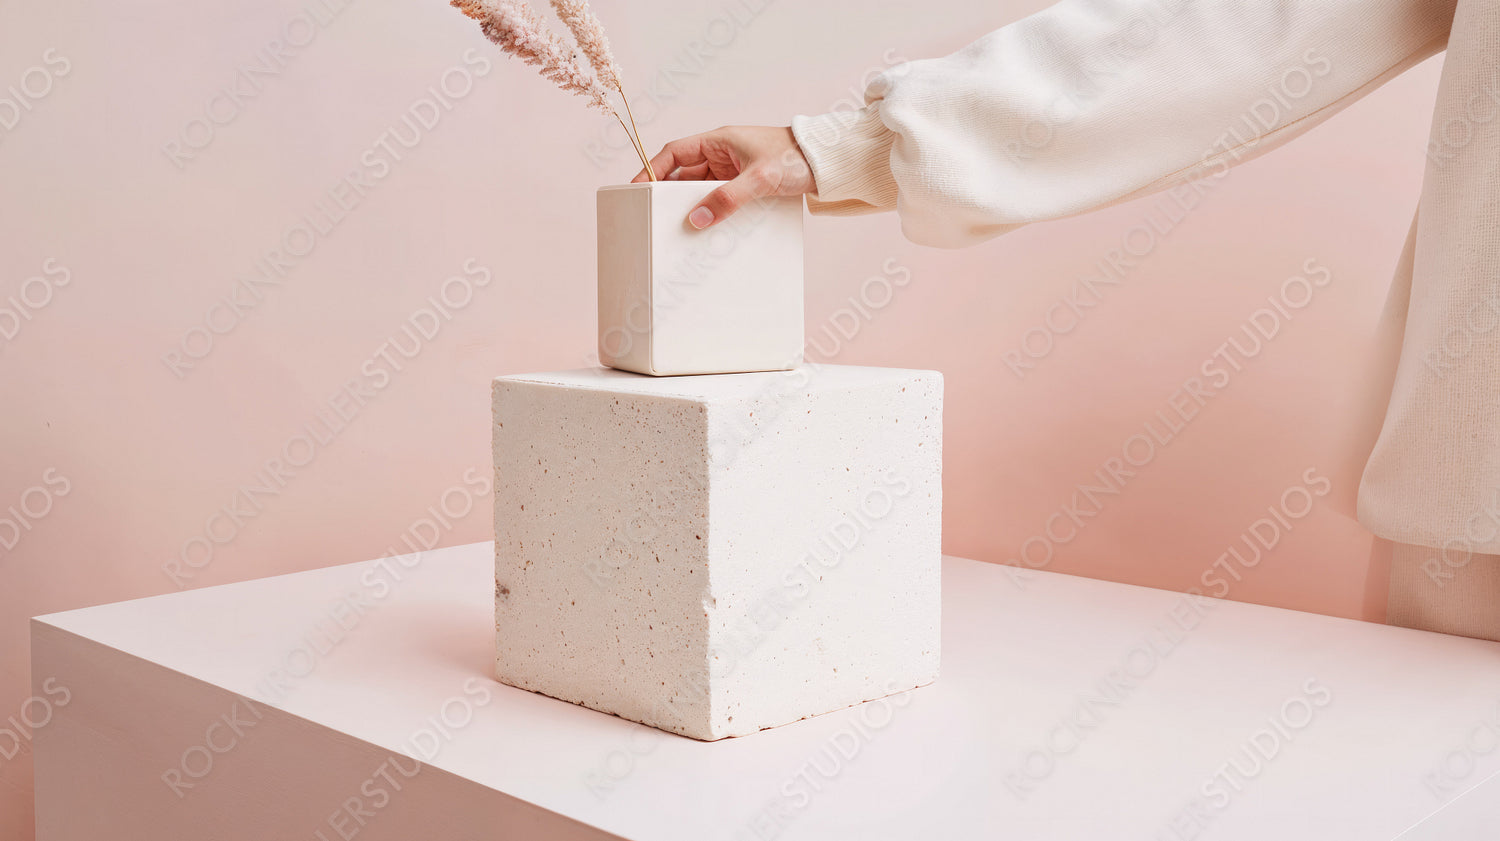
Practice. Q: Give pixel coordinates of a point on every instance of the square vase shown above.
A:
(676, 300)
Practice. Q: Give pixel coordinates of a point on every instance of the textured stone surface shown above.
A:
(714, 555)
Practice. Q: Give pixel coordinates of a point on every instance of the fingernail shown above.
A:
(700, 217)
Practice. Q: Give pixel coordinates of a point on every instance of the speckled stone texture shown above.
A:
(715, 555)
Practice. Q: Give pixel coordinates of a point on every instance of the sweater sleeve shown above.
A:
(1094, 102)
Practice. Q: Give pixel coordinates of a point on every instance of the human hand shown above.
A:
(757, 161)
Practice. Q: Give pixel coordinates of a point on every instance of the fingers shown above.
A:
(754, 183)
(687, 151)
(689, 173)
(687, 159)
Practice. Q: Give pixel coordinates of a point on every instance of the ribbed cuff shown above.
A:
(850, 156)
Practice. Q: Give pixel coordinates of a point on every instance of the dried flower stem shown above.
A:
(640, 150)
(640, 153)
(516, 29)
(589, 33)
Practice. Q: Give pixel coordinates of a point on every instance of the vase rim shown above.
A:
(649, 184)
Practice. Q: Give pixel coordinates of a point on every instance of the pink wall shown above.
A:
(124, 249)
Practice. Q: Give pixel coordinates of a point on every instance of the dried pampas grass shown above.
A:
(519, 31)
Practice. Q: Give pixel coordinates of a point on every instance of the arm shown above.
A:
(1094, 102)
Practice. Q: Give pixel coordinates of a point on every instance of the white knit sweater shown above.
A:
(1093, 102)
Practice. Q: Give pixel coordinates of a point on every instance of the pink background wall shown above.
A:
(116, 251)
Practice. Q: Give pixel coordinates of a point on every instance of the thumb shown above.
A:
(752, 184)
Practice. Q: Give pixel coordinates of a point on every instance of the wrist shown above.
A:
(848, 154)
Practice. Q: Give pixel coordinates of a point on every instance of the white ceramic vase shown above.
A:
(676, 300)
